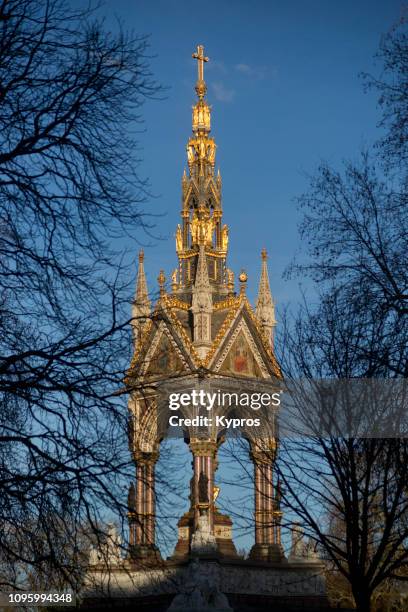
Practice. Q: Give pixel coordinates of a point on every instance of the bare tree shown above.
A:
(341, 465)
(71, 94)
(355, 229)
(392, 86)
(334, 465)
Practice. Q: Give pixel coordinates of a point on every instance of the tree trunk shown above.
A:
(362, 597)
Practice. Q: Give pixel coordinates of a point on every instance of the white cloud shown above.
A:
(244, 68)
(222, 93)
(255, 72)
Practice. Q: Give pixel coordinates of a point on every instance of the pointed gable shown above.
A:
(164, 360)
(239, 349)
(240, 359)
(164, 350)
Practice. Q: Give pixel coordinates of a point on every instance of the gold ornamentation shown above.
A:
(203, 448)
(224, 238)
(201, 117)
(161, 279)
(230, 280)
(201, 151)
(243, 277)
(179, 239)
(187, 342)
(221, 332)
(174, 302)
(202, 228)
(201, 88)
(174, 279)
(227, 303)
(140, 346)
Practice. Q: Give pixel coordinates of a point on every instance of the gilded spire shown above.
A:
(141, 303)
(265, 307)
(201, 214)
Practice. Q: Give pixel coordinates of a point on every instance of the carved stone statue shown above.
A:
(301, 550)
(109, 552)
(203, 542)
(297, 541)
(200, 591)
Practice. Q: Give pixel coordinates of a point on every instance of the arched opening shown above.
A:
(234, 476)
(173, 476)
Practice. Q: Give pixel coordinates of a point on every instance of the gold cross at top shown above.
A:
(199, 56)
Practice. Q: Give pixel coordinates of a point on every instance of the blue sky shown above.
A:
(283, 82)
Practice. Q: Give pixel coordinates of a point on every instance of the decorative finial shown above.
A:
(265, 307)
(200, 87)
(161, 279)
(141, 302)
(243, 278)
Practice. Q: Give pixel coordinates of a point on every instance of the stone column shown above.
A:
(132, 514)
(204, 463)
(267, 545)
(261, 484)
(142, 510)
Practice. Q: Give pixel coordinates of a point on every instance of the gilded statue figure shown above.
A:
(179, 239)
(202, 227)
(224, 238)
(209, 230)
(191, 153)
(194, 229)
(202, 149)
(211, 152)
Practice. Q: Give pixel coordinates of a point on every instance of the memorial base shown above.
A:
(241, 586)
